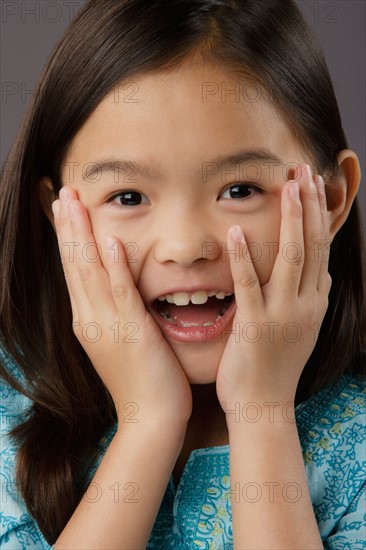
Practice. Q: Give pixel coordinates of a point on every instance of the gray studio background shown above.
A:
(31, 28)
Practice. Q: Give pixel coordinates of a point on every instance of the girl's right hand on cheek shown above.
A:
(122, 340)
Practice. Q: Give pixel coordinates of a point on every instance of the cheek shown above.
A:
(99, 228)
(102, 225)
(263, 243)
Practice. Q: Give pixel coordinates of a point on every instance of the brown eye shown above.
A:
(240, 191)
(129, 198)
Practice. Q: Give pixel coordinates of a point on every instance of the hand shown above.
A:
(286, 312)
(125, 345)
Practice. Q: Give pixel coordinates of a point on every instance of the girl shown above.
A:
(178, 370)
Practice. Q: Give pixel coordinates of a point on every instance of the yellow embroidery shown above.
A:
(308, 456)
(337, 428)
(324, 443)
(217, 530)
(221, 512)
(358, 401)
(349, 412)
(206, 508)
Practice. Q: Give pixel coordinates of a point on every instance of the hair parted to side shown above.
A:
(108, 42)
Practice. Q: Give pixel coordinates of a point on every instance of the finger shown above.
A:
(248, 293)
(67, 245)
(324, 279)
(127, 298)
(93, 278)
(313, 233)
(56, 213)
(288, 266)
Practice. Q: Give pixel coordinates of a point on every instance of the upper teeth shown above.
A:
(199, 297)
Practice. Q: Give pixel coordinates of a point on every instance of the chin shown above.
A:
(200, 362)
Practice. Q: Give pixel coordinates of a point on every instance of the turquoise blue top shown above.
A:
(197, 513)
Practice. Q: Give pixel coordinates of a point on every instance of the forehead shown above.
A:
(182, 116)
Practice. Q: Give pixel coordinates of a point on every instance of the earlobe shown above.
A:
(46, 196)
(342, 190)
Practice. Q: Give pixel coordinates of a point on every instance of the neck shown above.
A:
(208, 421)
(206, 426)
(205, 399)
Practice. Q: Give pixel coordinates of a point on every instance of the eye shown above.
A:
(129, 198)
(240, 191)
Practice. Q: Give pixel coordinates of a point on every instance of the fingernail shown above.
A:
(236, 234)
(64, 195)
(309, 171)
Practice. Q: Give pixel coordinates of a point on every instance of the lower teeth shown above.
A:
(168, 318)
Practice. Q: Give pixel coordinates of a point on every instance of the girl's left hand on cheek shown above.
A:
(276, 326)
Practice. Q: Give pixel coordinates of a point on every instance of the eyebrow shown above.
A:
(152, 172)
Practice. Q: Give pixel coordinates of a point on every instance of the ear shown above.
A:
(47, 196)
(341, 194)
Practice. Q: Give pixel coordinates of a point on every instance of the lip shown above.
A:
(195, 334)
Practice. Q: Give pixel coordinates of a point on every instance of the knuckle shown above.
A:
(84, 273)
(67, 265)
(120, 293)
(298, 262)
(325, 302)
(248, 281)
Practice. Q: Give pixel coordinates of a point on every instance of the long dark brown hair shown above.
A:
(108, 42)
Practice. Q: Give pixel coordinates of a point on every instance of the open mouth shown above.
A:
(198, 309)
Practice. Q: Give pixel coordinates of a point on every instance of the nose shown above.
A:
(185, 237)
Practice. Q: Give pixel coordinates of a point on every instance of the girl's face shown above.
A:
(173, 204)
